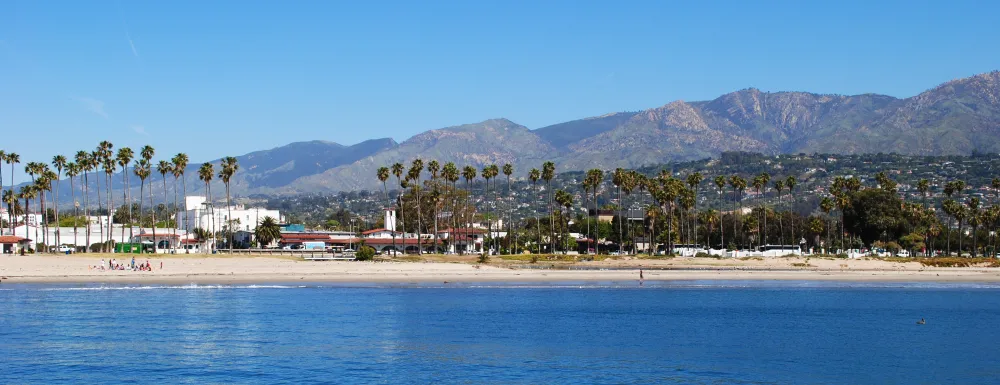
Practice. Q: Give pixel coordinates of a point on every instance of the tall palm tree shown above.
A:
(598, 178)
(975, 219)
(125, 156)
(141, 169)
(564, 199)
(383, 175)
(83, 162)
(720, 184)
(779, 186)
(790, 183)
(451, 175)
(397, 170)
(618, 179)
(12, 159)
(508, 169)
(27, 193)
(587, 184)
(180, 165)
(72, 170)
(629, 184)
(826, 205)
(469, 174)
(434, 168)
(487, 173)
(229, 168)
(694, 183)
(549, 172)
(59, 162)
(164, 168)
(738, 185)
(765, 178)
(45, 184)
(534, 175)
(416, 168)
(32, 169)
(206, 173)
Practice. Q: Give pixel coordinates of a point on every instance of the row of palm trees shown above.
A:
(89, 165)
(670, 201)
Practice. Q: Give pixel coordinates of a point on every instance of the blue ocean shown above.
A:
(718, 332)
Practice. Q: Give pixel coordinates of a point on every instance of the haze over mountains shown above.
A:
(957, 117)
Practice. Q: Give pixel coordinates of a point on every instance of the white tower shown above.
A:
(390, 219)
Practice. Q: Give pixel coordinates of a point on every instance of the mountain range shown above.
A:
(954, 118)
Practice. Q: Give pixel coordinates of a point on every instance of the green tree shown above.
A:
(548, 173)
(229, 168)
(206, 173)
(267, 231)
(534, 175)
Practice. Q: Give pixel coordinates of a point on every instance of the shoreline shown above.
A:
(206, 269)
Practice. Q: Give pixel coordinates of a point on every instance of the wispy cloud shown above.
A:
(131, 44)
(93, 105)
(140, 130)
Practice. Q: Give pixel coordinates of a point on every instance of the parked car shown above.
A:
(66, 249)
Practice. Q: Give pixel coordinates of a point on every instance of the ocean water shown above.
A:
(601, 333)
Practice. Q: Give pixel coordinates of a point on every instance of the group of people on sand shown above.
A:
(113, 264)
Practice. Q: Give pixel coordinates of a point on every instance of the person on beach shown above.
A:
(640, 276)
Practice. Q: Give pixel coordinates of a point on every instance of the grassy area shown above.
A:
(959, 262)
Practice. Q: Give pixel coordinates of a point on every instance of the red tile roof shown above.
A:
(12, 239)
(304, 237)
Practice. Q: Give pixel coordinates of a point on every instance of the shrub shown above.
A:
(365, 253)
(483, 258)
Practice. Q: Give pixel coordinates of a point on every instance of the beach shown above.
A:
(223, 269)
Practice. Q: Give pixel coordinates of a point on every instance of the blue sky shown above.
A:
(215, 78)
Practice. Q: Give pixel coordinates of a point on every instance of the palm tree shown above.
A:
(549, 172)
(739, 185)
(587, 183)
(12, 159)
(694, 183)
(59, 162)
(125, 156)
(72, 170)
(975, 219)
(765, 178)
(108, 162)
(779, 186)
(416, 168)
(383, 175)
(267, 231)
(27, 193)
(205, 173)
(229, 168)
(720, 184)
(469, 174)
(434, 168)
(618, 179)
(629, 184)
(489, 172)
(44, 184)
(141, 169)
(451, 175)
(710, 218)
(790, 183)
(164, 168)
(534, 175)
(180, 162)
(397, 170)
(32, 169)
(826, 205)
(83, 163)
(598, 178)
(566, 200)
(508, 169)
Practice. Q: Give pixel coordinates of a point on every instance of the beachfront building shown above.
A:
(11, 244)
(205, 215)
(77, 238)
(464, 240)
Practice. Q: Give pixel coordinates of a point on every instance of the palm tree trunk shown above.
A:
(152, 210)
(176, 208)
(229, 209)
(76, 212)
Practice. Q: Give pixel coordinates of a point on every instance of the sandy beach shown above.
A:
(244, 269)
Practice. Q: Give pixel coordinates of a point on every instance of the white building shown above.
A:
(205, 215)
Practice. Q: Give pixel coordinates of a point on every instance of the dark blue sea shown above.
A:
(587, 333)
